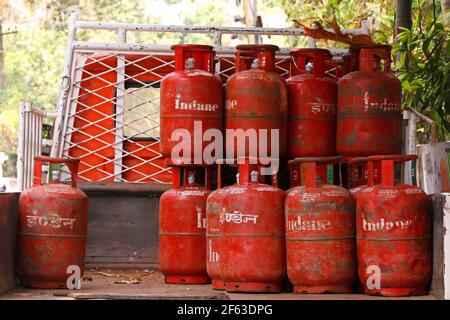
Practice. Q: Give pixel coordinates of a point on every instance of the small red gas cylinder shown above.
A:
(182, 228)
(320, 233)
(369, 107)
(191, 103)
(393, 235)
(52, 227)
(312, 105)
(256, 105)
(252, 235)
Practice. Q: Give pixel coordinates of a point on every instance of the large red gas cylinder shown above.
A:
(182, 228)
(252, 235)
(256, 105)
(320, 234)
(52, 227)
(393, 235)
(312, 105)
(214, 205)
(191, 102)
(369, 107)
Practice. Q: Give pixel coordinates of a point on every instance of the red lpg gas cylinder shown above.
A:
(252, 235)
(214, 205)
(191, 102)
(393, 235)
(182, 227)
(52, 227)
(369, 101)
(320, 234)
(312, 105)
(256, 105)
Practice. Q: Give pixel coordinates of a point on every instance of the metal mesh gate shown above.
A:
(112, 123)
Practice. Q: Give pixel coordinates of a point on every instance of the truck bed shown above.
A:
(144, 284)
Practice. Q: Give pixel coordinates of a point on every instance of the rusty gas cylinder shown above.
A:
(256, 106)
(312, 105)
(252, 235)
(369, 107)
(320, 233)
(191, 102)
(393, 235)
(52, 227)
(182, 228)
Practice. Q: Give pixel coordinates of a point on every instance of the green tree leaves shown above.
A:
(425, 80)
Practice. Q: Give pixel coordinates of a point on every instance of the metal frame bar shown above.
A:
(446, 244)
(410, 142)
(120, 94)
(29, 141)
(21, 173)
(205, 29)
(64, 88)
